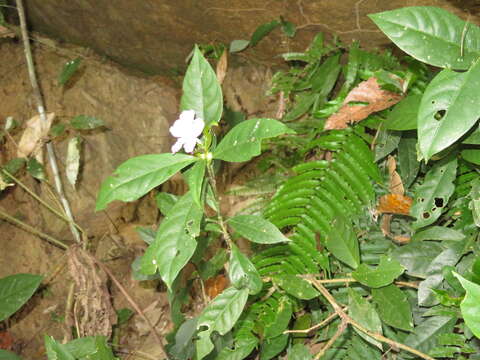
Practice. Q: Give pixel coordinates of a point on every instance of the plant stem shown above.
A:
(352, 280)
(341, 328)
(314, 327)
(43, 117)
(348, 320)
(221, 222)
(31, 229)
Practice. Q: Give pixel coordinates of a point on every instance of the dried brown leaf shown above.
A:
(396, 185)
(394, 204)
(6, 32)
(369, 92)
(215, 285)
(34, 136)
(222, 66)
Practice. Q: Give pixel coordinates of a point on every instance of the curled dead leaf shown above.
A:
(394, 204)
(368, 92)
(215, 285)
(396, 185)
(222, 66)
(35, 134)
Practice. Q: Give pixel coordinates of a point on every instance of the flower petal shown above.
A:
(187, 115)
(177, 146)
(189, 144)
(197, 127)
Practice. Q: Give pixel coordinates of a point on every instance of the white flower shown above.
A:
(187, 129)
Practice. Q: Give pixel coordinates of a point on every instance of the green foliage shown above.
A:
(15, 290)
(87, 348)
(69, 69)
(85, 122)
(256, 229)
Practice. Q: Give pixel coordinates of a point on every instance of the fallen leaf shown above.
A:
(368, 92)
(215, 285)
(222, 66)
(394, 204)
(6, 340)
(6, 32)
(34, 135)
(73, 159)
(396, 185)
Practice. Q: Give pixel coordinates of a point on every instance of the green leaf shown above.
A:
(184, 347)
(57, 130)
(384, 274)
(393, 307)
(470, 306)
(295, 286)
(85, 122)
(387, 142)
(404, 114)
(438, 233)
(56, 351)
(123, 315)
(474, 204)
(448, 110)
(220, 316)
(147, 234)
(288, 28)
(416, 256)
(72, 165)
(425, 336)
(165, 202)
(281, 317)
(408, 166)
(175, 242)
(364, 313)
(35, 169)
(194, 177)
(432, 196)
(242, 272)
(299, 352)
(262, 31)
(244, 141)
(431, 35)
(15, 290)
(68, 70)
(238, 45)
(256, 229)
(343, 243)
(273, 346)
(471, 155)
(137, 273)
(201, 90)
(91, 348)
(7, 355)
(137, 176)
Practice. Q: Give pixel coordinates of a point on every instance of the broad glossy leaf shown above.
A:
(417, 256)
(384, 274)
(299, 352)
(471, 155)
(243, 142)
(36, 169)
(56, 350)
(8, 355)
(273, 346)
(90, 347)
(364, 313)
(408, 166)
(404, 115)
(85, 122)
(343, 243)
(15, 290)
(184, 347)
(68, 70)
(282, 315)
(257, 229)
(425, 336)
(201, 90)
(387, 142)
(242, 272)
(393, 307)
(194, 177)
(238, 45)
(432, 35)
(448, 109)
(470, 305)
(262, 31)
(137, 176)
(432, 196)
(165, 202)
(438, 233)
(220, 316)
(243, 347)
(175, 242)
(295, 286)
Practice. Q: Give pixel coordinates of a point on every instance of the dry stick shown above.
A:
(130, 300)
(359, 327)
(31, 229)
(352, 280)
(314, 327)
(341, 328)
(43, 117)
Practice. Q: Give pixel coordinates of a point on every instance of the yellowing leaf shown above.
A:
(34, 135)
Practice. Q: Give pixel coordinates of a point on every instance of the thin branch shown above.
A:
(31, 229)
(359, 327)
(43, 117)
(314, 327)
(341, 328)
(352, 280)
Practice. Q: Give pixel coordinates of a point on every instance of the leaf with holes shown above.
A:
(244, 141)
(384, 274)
(432, 35)
(138, 175)
(470, 305)
(15, 290)
(201, 90)
(432, 196)
(175, 242)
(448, 109)
(220, 316)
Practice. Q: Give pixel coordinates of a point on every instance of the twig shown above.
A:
(314, 327)
(352, 280)
(349, 320)
(34, 231)
(341, 328)
(131, 301)
(43, 117)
